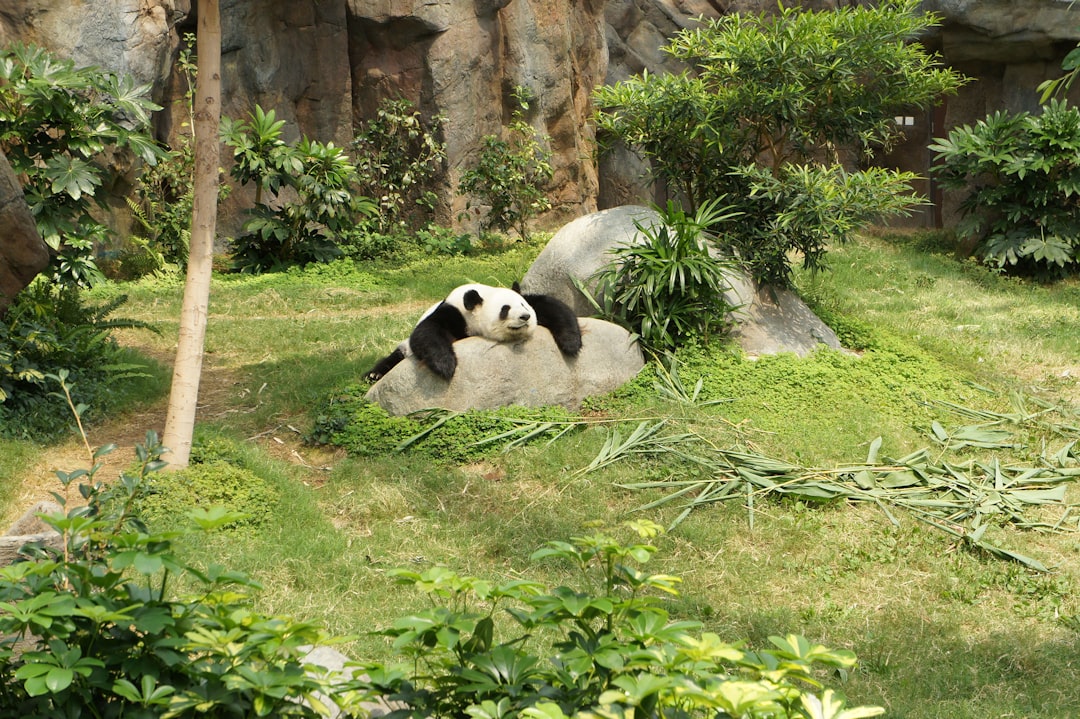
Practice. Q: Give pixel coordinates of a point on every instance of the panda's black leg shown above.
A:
(432, 341)
(386, 364)
(436, 350)
(560, 321)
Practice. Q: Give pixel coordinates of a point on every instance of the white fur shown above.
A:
(486, 320)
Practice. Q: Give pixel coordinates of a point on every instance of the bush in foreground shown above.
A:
(606, 649)
(90, 630)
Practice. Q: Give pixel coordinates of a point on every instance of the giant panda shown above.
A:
(496, 313)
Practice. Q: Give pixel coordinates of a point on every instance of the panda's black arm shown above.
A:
(386, 364)
(560, 320)
(432, 340)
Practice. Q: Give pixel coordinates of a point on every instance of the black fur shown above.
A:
(472, 300)
(432, 341)
(559, 319)
(386, 364)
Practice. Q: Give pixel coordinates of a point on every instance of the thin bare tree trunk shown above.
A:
(183, 398)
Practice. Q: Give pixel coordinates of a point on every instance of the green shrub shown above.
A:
(57, 123)
(506, 184)
(217, 483)
(281, 230)
(102, 636)
(605, 647)
(365, 429)
(399, 157)
(49, 329)
(768, 108)
(444, 241)
(1022, 185)
(668, 289)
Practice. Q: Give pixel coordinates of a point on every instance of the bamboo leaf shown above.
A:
(1010, 555)
(872, 455)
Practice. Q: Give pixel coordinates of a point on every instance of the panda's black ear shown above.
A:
(473, 300)
(516, 287)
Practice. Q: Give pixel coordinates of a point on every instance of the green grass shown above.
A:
(941, 631)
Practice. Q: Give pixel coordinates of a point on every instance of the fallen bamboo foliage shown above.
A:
(962, 499)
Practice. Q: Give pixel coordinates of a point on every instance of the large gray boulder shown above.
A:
(769, 320)
(532, 373)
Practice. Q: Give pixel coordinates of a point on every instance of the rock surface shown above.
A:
(532, 373)
(29, 528)
(579, 249)
(768, 320)
(23, 254)
(325, 65)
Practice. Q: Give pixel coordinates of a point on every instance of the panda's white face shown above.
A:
(497, 313)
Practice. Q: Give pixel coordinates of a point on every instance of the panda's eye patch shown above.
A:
(504, 312)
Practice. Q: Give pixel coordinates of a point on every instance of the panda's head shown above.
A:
(497, 313)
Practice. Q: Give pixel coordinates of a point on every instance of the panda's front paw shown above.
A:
(384, 365)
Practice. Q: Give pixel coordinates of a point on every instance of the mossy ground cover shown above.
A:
(942, 631)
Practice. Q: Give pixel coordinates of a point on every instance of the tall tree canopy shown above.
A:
(769, 110)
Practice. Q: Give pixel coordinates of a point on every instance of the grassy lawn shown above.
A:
(941, 630)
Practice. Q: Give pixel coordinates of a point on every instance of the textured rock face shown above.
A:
(463, 60)
(23, 254)
(532, 373)
(325, 65)
(133, 37)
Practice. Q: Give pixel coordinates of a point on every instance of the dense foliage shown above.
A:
(103, 636)
(303, 194)
(398, 157)
(667, 287)
(767, 115)
(506, 185)
(67, 132)
(48, 329)
(57, 126)
(482, 649)
(1021, 177)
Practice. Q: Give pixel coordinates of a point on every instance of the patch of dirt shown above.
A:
(217, 390)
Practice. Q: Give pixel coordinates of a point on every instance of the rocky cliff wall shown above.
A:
(324, 65)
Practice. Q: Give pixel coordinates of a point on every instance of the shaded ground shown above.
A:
(218, 390)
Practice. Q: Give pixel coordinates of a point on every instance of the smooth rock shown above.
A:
(768, 320)
(532, 373)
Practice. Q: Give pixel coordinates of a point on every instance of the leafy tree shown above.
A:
(1021, 177)
(509, 176)
(397, 156)
(769, 114)
(56, 124)
(282, 230)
